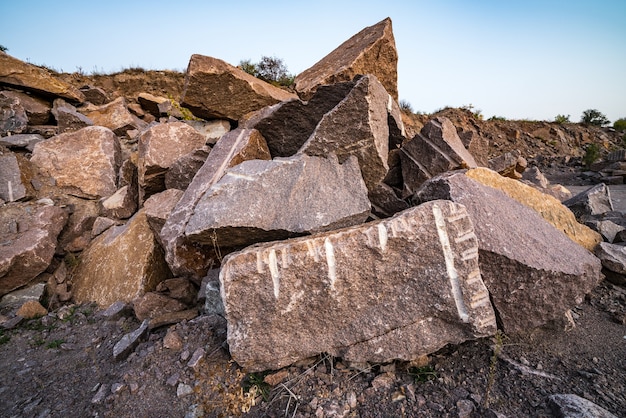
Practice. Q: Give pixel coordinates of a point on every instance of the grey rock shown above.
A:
(268, 200)
(527, 264)
(286, 301)
(183, 256)
(101, 224)
(183, 170)
(116, 311)
(37, 110)
(11, 186)
(68, 118)
(27, 141)
(574, 406)
(594, 201)
(612, 256)
(17, 298)
(210, 292)
(608, 229)
(130, 341)
(120, 205)
(95, 95)
(510, 164)
(13, 118)
(535, 176)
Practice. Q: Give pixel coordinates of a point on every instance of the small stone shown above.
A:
(32, 309)
(116, 311)
(117, 387)
(196, 357)
(172, 340)
(173, 379)
(383, 381)
(184, 356)
(134, 387)
(99, 397)
(351, 398)
(276, 378)
(129, 342)
(398, 396)
(183, 390)
(465, 408)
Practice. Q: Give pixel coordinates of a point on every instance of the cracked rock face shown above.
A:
(331, 292)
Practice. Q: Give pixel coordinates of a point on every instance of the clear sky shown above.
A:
(520, 59)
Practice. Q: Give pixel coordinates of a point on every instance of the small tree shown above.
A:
(594, 117)
(406, 106)
(620, 124)
(249, 67)
(270, 69)
(561, 119)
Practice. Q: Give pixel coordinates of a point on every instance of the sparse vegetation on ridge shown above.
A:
(270, 69)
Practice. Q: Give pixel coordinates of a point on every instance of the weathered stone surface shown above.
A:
(31, 309)
(535, 176)
(159, 206)
(77, 233)
(385, 202)
(29, 237)
(101, 224)
(170, 318)
(116, 311)
(612, 256)
(217, 90)
(120, 205)
(607, 228)
(510, 164)
(286, 126)
(371, 51)
(150, 103)
(392, 289)
(184, 257)
(121, 264)
(550, 208)
(85, 162)
(183, 170)
(27, 141)
(151, 305)
(116, 117)
(18, 297)
(95, 95)
(212, 130)
(179, 288)
(594, 201)
(210, 293)
(68, 118)
(11, 186)
(573, 406)
(16, 73)
(37, 110)
(13, 118)
(159, 147)
(534, 272)
(130, 341)
(268, 200)
(356, 126)
(435, 150)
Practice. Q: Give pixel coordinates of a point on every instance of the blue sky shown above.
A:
(521, 59)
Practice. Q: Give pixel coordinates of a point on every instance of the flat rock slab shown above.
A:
(122, 264)
(593, 201)
(85, 162)
(371, 51)
(115, 116)
(550, 208)
(215, 89)
(392, 289)
(28, 239)
(268, 200)
(11, 186)
(533, 271)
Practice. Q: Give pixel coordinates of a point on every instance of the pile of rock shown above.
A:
(332, 230)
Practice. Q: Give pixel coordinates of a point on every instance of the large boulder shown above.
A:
(159, 148)
(393, 289)
(269, 200)
(16, 73)
(121, 264)
(115, 116)
(84, 162)
(12, 187)
(13, 117)
(185, 257)
(37, 110)
(533, 271)
(550, 208)
(371, 51)
(356, 126)
(29, 238)
(215, 89)
(435, 150)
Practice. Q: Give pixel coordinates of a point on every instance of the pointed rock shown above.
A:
(424, 260)
(68, 118)
(122, 264)
(356, 126)
(435, 150)
(184, 257)
(85, 162)
(159, 148)
(29, 238)
(613, 257)
(548, 207)
(573, 406)
(130, 341)
(16, 73)
(212, 130)
(158, 208)
(593, 201)
(11, 185)
(116, 117)
(217, 90)
(371, 51)
(269, 200)
(528, 265)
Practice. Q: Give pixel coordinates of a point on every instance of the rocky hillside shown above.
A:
(209, 236)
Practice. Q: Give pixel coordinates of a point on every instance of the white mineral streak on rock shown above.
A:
(382, 234)
(330, 260)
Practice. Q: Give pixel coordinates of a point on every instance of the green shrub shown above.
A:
(594, 117)
(499, 118)
(592, 153)
(3, 48)
(270, 69)
(620, 124)
(561, 119)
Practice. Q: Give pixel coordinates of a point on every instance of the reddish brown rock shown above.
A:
(77, 234)
(12, 187)
(16, 73)
(150, 103)
(116, 117)
(371, 51)
(84, 162)
(435, 150)
(424, 260)
(179, 288)
(122, 264)
(533, 271)
(184, 257)
(159, 206)
(217, 90)
(152, 305)
(31, 309)
(13, 118)
(183, 170)
(37, 110)
(120, 205)
(95, 95)
(269, 200)
(159, 148)
(29, 236)
(510, 164)
(68, 118)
